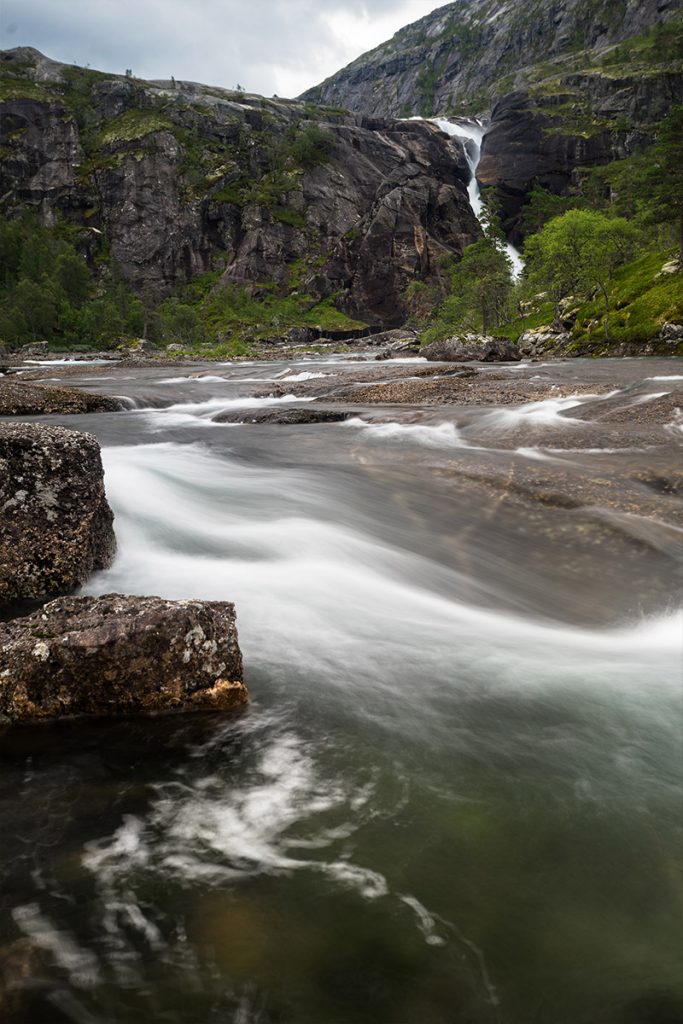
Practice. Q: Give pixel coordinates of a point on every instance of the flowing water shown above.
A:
(472, 134)
(456, 794)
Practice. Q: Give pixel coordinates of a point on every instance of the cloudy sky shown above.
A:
(267, 46)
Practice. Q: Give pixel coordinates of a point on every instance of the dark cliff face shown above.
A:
(180, 178)
(563, 84)
(465, 55)
(548, 138)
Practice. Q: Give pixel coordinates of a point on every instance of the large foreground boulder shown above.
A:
(55, 522)
(471, 347)
(117, 655)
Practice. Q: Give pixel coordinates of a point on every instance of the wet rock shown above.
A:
(399, 349)
(117, 655)
(55, 522)
(634, 410)
(399, 336)
(20, 962)
(672, 333)
(539, 340)
(288, 416)
(18, 398)
(470, 347)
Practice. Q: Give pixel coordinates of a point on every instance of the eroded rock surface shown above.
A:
(286, 416)
(21, 399)
(185, 178)
(116, 655)
(55, 522)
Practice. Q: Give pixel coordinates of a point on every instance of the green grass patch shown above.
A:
(12, 88)
(133, 125)
(641, 303)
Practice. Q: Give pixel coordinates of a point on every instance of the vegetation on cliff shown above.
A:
(599, 249)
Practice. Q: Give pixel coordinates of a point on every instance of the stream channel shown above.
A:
(456, 795)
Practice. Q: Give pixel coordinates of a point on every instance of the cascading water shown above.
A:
(473, 132)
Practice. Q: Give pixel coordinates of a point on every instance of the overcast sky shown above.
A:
(267, 46)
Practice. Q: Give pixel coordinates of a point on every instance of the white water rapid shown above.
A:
(473, 132)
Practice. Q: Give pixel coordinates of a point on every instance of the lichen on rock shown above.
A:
(56, 526)
(117, 655)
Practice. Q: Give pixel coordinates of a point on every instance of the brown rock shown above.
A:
(20, 399)
(286, 416)
(55, 522)
(116, 655)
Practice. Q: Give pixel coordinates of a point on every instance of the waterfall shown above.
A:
(472, 133)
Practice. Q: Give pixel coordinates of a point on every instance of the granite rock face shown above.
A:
(464, 56)
(55, 522)
(531, 140)
(551, 86)
(117, 655)
(185, 179)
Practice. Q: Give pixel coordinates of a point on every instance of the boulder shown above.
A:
(397, 336)
(673, 333)
(18, 398)
(471, 347)
(117, 655)
(538, 340)
(55, 522)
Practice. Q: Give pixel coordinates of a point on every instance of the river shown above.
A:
(456, 796)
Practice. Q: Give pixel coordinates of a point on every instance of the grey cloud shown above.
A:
(265, 45)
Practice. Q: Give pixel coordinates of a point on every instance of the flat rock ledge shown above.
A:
(56, 526)
(18, 398)
(117, 655)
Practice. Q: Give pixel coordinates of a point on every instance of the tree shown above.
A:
(482, 283)
(72, 277)
(578, 253)
(480, 292)
(181, 323)
(35, 307)
(665, 178)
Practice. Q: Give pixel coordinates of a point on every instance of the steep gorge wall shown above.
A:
(563, 85)
(173, 179)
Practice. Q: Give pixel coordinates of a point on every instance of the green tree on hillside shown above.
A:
(480, 291)
(577, 254)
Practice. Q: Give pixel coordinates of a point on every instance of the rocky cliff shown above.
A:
(172, 179)
(465, 55)
(562, 85)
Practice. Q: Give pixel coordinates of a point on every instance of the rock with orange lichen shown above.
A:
(116, 655)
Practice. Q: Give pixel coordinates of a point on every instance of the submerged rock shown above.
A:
(471, 347)
(288, 416)
(117, 655)
(18, 398)
(55, 522)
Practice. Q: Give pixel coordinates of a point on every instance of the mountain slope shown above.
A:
(169, 180)
(462, 57)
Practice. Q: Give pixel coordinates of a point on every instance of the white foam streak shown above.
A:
(202, 413)
(442, 435)
(546, 413)
(329, 603)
